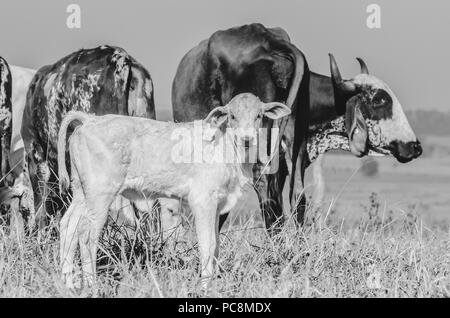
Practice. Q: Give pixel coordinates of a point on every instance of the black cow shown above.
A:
(260, 60)
(251, 58)
(5, 120)
(102, 80)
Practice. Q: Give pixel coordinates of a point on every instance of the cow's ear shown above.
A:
(275, 110)
(356, 127)
(218, 116)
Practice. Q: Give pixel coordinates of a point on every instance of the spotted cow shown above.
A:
(371, 120)
(102, 80)
(5, 119)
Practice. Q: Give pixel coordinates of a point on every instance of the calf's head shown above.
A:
(374, 118)
(244, 115)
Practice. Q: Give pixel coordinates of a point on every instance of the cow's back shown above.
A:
(150, 158)
(190, 89)
(94, 81)
(230, 62)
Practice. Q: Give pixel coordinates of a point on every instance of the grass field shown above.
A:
(381, 236)
(373, 257)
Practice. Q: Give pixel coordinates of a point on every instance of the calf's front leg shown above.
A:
(204, 206)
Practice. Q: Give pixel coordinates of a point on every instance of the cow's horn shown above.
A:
(364, 69)
(346, 86)
(335, 74)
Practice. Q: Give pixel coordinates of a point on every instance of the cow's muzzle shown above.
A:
(405, 151)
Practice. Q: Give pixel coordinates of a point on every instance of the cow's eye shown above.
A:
(232, 117)
(381, 99)
(377, 101)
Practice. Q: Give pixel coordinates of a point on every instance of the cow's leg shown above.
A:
(205, 210)
(2, 161)
(55, 203)
(17, 224)
(319, 182)
(69, 225)
(22, 189)
(91, 225)
(41, 194)
(222, 218)
(37, 196)
(268, 190)
(297, 195)
(6, 176)
(39, 176)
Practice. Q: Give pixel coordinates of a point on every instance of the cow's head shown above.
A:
(374, 117)
(244, 114)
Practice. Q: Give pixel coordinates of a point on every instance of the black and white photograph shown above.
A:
(243, 149)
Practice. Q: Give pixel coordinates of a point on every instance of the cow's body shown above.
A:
(141, 159)
(325, 110)
(253, 59)
(102, 80)
(5, 119)
(21, 78)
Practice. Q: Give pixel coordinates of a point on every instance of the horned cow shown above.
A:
(361, 115)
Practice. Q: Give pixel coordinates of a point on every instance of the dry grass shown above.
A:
(378, 256)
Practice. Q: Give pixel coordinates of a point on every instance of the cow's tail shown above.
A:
(301, 126)
(64, 179)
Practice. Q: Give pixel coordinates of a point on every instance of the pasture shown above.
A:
(395, 243)
(380, 229)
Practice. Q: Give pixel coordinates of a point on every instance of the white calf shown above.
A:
(140, 159)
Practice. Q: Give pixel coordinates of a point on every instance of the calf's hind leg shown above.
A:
(91, 225)
(69, 225)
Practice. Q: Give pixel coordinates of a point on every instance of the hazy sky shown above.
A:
(411, 51)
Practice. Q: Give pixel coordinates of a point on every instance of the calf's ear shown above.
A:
(218, 116)
(356, 127)
(275, 110)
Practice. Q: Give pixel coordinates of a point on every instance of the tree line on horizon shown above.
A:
(429, 122)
